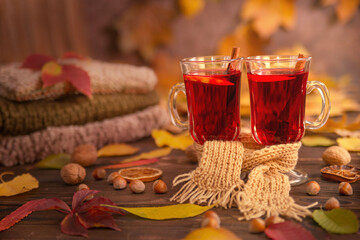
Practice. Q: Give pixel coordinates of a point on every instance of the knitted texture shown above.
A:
(21, 84)
(217, 179)
(25, 117)
(53, 140)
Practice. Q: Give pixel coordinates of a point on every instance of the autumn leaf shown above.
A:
(56, 161)
(131, 164)
(288, 230)
(143, 27)
(36, 61)
(53, 73)
(161, 152)
(349, 143)
(191, 8)
(317, 140)
(119, 149)
(339, 221)
(82, 216)
(345, 9)
(164, 138)
(20, 184)
(267, 16)
(210, 233)
(166, 212)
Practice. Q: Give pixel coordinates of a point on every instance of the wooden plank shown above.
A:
(46, 224)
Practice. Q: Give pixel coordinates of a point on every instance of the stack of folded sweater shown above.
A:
(36, 122)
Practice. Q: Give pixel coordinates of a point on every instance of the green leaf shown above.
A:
(317, 140)
(56, 161)
(167, 212)
(340, 221)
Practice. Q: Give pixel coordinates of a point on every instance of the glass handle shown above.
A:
(325, 109)
(174, 115)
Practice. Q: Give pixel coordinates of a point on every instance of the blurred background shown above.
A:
(158, 33)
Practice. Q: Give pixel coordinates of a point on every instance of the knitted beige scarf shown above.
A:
(217, 178)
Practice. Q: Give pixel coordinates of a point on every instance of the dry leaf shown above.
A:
(166, 212)
(268, 15)
(120, 149)
(349, 143)
(288, 230)
(143, 27)
(347, 133)
(210, 233)
(345, 9)
(20, 184)
(191, 7)
(56, 161)
(149, 155)
(317, 140)
(164, 138)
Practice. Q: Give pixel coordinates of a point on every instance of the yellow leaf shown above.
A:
(268, 15)
(120, 149)
(147, 155)
(164, 138)
(346, 9)
(331, 125)
(209, 233)
(166, 212)
(52, 68)
(19, 184)
(350, 144)
(317, 140)
(191, 7)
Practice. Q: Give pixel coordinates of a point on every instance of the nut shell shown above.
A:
(336, 155)
(137, 186)
(119, 183)
(257, 225)
(312, 188)
(99, 173)
(73, 173)
(345, 189)
(332, 203)
(159, 186)
(85, 155)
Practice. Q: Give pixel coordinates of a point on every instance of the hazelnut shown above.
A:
(312, 188)
(159, 186)
(85, 155)
(82, 187)
(73, 173)
(210, 222)
(336, 155)
(99, 173)
(111, 177)
(257, 225)
(119, 183)
(332, 203)
(137, 186)
(273, 220)
(212, 214)
(345, 189)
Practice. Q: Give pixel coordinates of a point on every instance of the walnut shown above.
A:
(336, 155)
(73, 173)
(85, 155)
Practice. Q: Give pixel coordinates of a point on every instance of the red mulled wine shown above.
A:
(213, 99)
(277, 98)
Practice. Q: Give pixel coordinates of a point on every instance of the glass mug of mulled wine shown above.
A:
(212, 89)
(278, 87)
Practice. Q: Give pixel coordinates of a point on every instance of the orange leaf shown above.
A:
(191, 7)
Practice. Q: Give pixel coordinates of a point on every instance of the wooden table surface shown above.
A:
(46, 224)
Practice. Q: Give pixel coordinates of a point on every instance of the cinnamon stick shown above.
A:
(235, 53)
(300, 64)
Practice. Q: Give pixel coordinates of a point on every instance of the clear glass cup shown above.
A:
(212, 89)
(278, 86)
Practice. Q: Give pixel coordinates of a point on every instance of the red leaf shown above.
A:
(36, 61)
(96, 203)
(78, 78)
(72, 225)
(72, 55)
(80, 196)
(31, 206)
(288, 230)
(97, 218)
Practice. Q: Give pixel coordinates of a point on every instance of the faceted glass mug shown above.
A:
(212, 89)
(278, 87)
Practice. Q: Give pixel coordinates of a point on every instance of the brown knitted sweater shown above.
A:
(25, 117)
